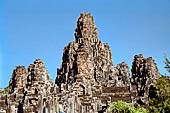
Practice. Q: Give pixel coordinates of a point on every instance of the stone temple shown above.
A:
(86, 82)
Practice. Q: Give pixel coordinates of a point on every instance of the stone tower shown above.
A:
(87, 57)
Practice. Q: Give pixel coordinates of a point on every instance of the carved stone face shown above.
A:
(86, 28)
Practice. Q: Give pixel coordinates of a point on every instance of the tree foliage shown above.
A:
(167, 64)
(160, 102)
(6, 90)
(123, 107)
(159, 99)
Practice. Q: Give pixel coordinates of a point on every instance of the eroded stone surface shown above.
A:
(123, 74)
(29, 90)
(86, 57)
(144, 73)
(18, 79)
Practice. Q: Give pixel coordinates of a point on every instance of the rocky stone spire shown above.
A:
(21, 76)
(86, 29)
(37, 71)
(144, 73)
(18, 79)
(87, 57)
(27, 87)
(123, 74)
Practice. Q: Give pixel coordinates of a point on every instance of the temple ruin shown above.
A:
(86, 82)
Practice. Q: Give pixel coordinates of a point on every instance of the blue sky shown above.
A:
(31, 29)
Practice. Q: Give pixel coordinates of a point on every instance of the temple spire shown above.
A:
(86, 29)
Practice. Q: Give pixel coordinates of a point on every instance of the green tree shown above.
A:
(123, 107)
(160, 102)
(6, 90)
(167, 64)
(159, 97)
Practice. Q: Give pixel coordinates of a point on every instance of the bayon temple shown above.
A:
(86, 82)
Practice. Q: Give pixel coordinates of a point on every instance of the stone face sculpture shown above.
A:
(86, 82)
(144, 73)
(18, 79)
(87, 56)
(123, 74)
